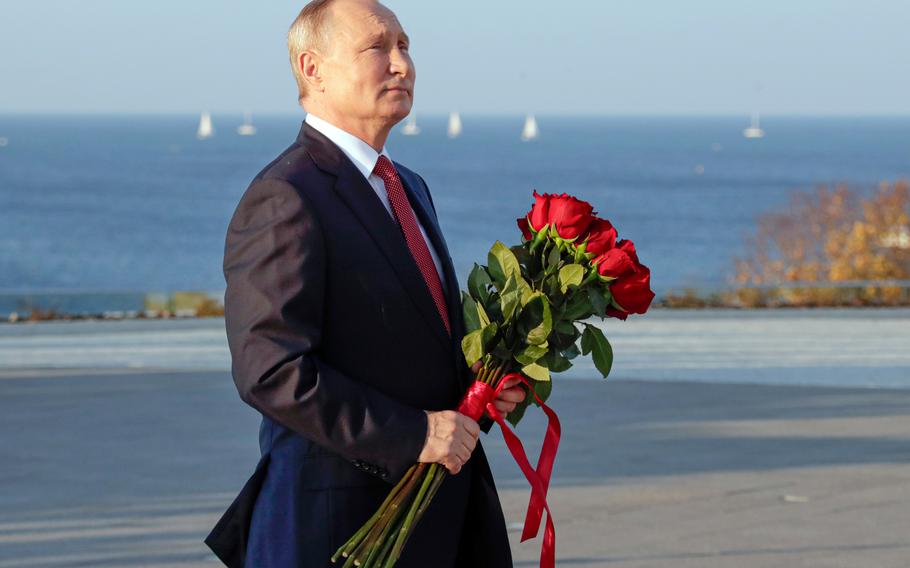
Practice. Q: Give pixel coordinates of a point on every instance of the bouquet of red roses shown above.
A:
(522, 311)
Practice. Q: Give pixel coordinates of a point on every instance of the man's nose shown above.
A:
(400, 62)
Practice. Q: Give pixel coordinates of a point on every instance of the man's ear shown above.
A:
(310, 65)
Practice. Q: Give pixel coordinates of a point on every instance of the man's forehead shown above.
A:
(361, 20)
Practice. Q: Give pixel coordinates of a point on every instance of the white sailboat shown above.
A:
(247, 128)
(410, 128)
(205, 129)
(530, 130)
(454, 129)
(754, 131)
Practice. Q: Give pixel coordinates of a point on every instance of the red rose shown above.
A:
(601, 237)
(628, 247)
(538, 216)
(525, 231)
(569, 216)
(613, 263)
(632, 291)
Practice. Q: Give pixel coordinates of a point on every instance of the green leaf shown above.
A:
(578, 306)
(522, 254)
(489, 337)
(510, 298)
(594, 342)
(564, 335)
(482, 316)
(478, 281)
(470, 309)
(550, 286)
(565, 327)
(553, 258)
(501, 351)
(598, 304)
(556, 362)
(571, 352)
(516, 415)
(536, 371)
(502, 263)
(607, 295)
(570, 275)
(531, 353)
(543, 390)
(535, 321)
(472, 346)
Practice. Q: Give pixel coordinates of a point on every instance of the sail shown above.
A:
(454, 125)
(205, 130)
(247, 128)
(530, 130)
(410, 128)
(754, 130)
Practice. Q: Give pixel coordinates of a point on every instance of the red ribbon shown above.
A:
(480, 397)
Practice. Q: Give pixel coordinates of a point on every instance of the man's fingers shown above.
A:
(512, 395)
(509, 383)
(472, 428)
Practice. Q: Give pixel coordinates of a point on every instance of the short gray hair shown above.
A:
(309, 31)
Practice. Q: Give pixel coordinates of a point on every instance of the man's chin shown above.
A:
(396, 115)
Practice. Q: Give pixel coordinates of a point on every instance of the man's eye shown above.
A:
(403, 46)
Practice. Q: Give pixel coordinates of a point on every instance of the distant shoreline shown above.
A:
(152, 315)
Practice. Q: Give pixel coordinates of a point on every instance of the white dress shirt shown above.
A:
(364, 158)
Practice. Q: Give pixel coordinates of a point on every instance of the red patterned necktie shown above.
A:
(412, 235)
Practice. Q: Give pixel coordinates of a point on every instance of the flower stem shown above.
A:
(387, 545)
(376, 554)
(439, 476)
(345, 549)
(394, 509)
(406, 527)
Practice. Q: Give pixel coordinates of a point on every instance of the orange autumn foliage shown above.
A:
(831, 235)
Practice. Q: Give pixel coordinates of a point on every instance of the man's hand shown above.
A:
(508, 398)
(451, 437)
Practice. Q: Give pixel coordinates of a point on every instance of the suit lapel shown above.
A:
(424, 211)
(358, 195)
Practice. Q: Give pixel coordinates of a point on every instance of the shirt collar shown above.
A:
(359, 152)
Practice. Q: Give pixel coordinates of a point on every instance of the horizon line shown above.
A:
(301, 113)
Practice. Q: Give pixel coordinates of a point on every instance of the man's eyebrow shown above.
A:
(379, 36)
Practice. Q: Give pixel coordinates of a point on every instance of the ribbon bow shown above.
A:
(480, 397)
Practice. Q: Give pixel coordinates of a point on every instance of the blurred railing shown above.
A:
(841, 293)
(117, 304)
(107, 304)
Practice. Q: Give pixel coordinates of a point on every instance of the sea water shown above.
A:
(127, 204)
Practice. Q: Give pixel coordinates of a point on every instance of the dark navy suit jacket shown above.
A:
(336, 341)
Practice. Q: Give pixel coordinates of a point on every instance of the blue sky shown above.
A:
(494, 57)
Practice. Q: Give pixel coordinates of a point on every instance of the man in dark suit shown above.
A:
(344, 322)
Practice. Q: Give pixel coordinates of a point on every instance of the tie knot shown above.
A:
(384, 168)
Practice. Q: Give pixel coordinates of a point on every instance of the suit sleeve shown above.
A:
(274, 266)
